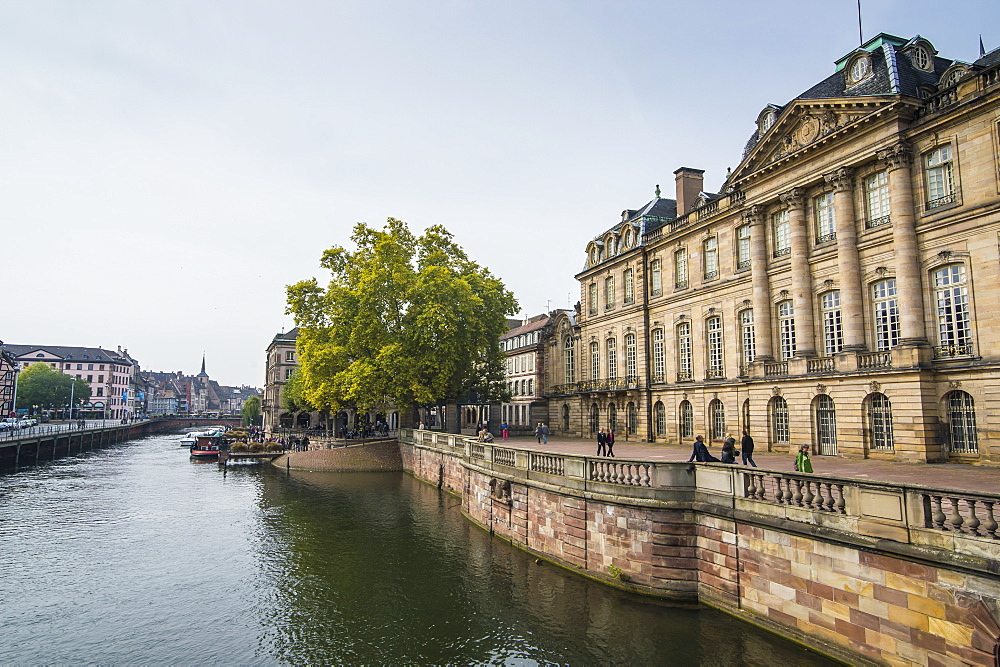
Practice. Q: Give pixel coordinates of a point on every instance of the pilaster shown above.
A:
(763, 341)
(805, 336)
(848, 264)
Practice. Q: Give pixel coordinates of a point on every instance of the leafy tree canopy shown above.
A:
(40, 385)
(404, 319)
(250, 411)
(291, 394)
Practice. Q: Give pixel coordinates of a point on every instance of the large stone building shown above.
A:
(524, 346)
(835, 292)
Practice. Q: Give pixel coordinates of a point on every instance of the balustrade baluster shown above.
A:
(797, 497)
(780, 484)
(628, 473)
(990, 525)
(807, 496)
(749, 490)
(956, 520)
(841, 502)
(937, 513)
(972, 523)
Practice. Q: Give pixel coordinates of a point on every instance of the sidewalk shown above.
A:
(960, 477)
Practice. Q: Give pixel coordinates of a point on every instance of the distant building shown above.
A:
(280, 362)
(110, 374)
(524, 346)
(180, 394)
(8, 381)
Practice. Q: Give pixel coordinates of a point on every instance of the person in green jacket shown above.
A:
(802, 462)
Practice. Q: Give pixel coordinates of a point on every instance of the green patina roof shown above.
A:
(875, 42)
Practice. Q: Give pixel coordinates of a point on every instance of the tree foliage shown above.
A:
(251, 411)
(291, 394)
(403, 319)
(40, 385)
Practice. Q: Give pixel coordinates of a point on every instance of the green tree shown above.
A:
(291, 394)
(404, 319)
(251, 411)
(41, 386)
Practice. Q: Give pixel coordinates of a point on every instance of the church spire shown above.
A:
(203, 374)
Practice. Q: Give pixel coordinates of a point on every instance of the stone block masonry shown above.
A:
(870, 574)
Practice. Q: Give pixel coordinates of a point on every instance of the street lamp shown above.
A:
(13, 405)
(72, 388)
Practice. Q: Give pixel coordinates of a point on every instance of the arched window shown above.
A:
(565, 415)
(777, 409)
(786, 329)
(826, 425)
(595, 418)
(630, 367)
(632, 419)
(962, 423)
(713, 339)
(880, 422)
(717, 415)
(684, 352)
(954, 322)
(569, 361)
(660, 419)
(686, 422)
(612, 347)
(659, 371)
(612, 416)
(886, 314)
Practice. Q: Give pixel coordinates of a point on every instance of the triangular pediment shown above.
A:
(805, 123)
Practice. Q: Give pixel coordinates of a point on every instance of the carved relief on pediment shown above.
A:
(809, 128)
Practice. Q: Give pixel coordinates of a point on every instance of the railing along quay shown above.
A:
(959, 521)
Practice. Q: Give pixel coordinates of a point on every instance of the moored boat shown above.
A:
(208, 446)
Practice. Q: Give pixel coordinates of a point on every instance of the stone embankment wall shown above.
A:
(868, 573)
(369, 457)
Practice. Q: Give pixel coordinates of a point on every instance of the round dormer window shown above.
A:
(860, 68)
(593, 255)
(954, 77)
(627, 238)
(767, 121)
(920, 58)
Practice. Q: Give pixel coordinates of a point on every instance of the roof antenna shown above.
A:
(861, 36)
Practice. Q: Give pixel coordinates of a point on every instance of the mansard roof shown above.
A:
(290, 335)
(533, 324)
(70, 353)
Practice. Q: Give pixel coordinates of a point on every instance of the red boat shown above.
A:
(208, 447)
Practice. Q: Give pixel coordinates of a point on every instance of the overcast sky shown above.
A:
(168, 167)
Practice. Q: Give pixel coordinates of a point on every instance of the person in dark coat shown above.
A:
(746, 448)
(602, 442)
(729, 449)
(609, 439)
(700, 452)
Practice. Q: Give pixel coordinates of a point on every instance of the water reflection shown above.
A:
(134, 554)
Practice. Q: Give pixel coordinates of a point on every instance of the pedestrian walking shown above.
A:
(602, 442)
(802, 462)
(538, 433)
(545, 433)
(610, 439)
(746, 449)
(504, 431)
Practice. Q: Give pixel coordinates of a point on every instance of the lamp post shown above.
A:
(72, 388)
(13, 405)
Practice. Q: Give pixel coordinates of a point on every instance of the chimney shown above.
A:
(689, 183)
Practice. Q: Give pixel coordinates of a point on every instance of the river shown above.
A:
(138, 555)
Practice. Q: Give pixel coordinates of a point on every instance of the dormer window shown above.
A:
(921, 58)
(627, 238)
(594, 255)
(767, 121)
(859, 70)
(952, 77)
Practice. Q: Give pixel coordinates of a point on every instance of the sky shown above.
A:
(169, 167)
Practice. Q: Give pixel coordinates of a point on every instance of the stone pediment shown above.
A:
(806, 123)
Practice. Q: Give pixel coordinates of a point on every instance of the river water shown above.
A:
(138, 555)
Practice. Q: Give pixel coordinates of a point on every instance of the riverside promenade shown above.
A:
(961, 477)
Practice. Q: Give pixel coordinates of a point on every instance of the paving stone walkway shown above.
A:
(960, 477)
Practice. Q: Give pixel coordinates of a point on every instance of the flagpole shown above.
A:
(861, 36)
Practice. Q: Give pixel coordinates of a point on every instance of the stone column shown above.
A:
(798, 231)
(763, 341)
(909, 281)
(848, 264)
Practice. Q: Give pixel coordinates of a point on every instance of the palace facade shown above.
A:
(836, 292)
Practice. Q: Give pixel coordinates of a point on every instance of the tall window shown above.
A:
(877, 199)
(786, 329)
(612, 358)
(609, 292)
(778, 408)
(880, 422)
(826, 226)
(595, 418)
(612, 416)
(939, 172)
(592, 298)
(632, 419)
(833, 326)
(954, 323)
(629, 281)
(713, 330)
(711, 248)
(826, 425)
(659, 371)
(748, 345)
(684, 352)
(630, 362)
(717, 414)
(659, 419)
(655, 283)
(686, 420)
(962, 423)
(681, 268)
(886, 314)
(743, 247)
(782, 235)
(595, 361)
